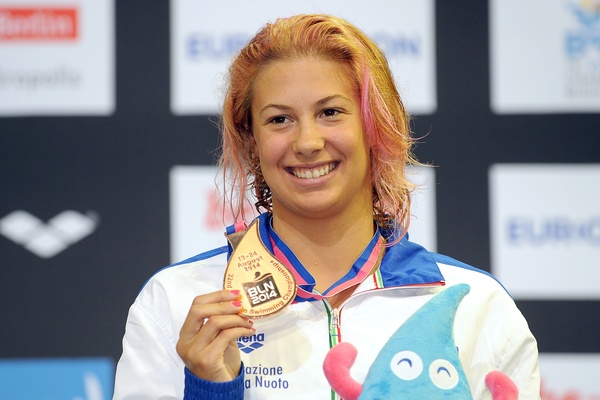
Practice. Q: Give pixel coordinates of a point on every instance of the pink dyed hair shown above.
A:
(385, 120)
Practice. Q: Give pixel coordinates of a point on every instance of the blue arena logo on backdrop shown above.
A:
(251, 343)
(57, 379)
(553, 231)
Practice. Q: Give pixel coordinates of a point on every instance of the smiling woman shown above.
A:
(362, 68)
(313, 123)
(312, 126)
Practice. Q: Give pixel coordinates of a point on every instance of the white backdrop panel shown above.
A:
(57, 57)
(545, 56)
(204, 39)
(545, 229)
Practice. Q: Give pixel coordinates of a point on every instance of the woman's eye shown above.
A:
(330, 112)
(278, 120)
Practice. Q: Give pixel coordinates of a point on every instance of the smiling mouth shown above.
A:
(311, 173)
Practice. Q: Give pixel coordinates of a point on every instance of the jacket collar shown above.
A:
(404, 264)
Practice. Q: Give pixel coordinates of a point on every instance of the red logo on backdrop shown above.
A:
(38, 23)
(217, 215)
(573, 394)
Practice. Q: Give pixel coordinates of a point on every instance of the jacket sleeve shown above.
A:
(503, 342)
(520, 356)
(493, 335)
(199, 389)
(149, 367)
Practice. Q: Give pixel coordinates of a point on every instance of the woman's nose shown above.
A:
(308, 140)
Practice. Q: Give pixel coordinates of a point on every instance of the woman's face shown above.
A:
(309, 137)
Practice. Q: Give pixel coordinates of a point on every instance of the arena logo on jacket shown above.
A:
(251, 343)
(267, 365)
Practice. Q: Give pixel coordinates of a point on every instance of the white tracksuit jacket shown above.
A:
(283, 360)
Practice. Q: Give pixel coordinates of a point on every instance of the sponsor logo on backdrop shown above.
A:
(208, 45)
(552, 65)
(399, 44)
(31, 80)
(47, 239)
(216, 215)
(57, 59)
(553, 231)
(545, 229)
(38, 23)
(202, 46)
(69, 379)
(582, 49)
(198, 215)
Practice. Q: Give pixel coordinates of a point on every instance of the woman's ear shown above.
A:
(254, 151)
(253, 145)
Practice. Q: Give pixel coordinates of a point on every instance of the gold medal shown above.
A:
(265, 284)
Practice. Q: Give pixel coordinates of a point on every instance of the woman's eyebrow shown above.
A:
(276, 106)
(320, 102)
(324, 100)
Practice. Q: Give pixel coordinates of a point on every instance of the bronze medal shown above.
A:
(265, 284)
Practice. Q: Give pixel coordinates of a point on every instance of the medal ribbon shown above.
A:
(361, 269)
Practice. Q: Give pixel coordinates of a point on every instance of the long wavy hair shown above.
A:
(386, 123)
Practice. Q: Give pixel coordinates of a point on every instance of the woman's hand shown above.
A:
(208, 338)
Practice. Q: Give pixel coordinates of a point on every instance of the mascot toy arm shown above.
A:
(419, 360)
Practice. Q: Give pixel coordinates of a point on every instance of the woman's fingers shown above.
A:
(223, 302)
(208, 337)
(221, 329)
(210, 354)
(217, 360)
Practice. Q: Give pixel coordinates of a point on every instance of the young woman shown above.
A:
(313, 122)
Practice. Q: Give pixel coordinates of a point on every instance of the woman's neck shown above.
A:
(326, 247)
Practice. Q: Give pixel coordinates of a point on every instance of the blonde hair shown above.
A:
(385, 120)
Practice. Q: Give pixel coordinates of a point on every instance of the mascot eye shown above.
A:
(443, 374)
(406, 365)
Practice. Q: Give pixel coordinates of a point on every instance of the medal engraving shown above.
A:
(266, 285)
(263, 289)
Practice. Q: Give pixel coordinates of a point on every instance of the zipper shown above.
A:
(333, 315)
(334, 325)
(334, 334)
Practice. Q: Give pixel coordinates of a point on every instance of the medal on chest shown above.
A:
(265, 284)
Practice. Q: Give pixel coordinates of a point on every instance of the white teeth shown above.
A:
(313, 173)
